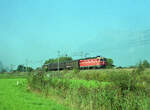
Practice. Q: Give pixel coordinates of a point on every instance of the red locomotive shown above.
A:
(95, 62)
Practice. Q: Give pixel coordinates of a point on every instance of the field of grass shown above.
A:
(108, 89)
(17, 97)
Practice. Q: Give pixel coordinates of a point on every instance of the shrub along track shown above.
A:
(118, 90)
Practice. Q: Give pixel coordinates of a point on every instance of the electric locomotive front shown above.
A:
(93, 62)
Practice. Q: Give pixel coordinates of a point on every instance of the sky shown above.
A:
(32, 31)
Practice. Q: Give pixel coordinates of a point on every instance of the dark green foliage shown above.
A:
(3, 70)
(61, 59)
(38, 81)
(142, 64)
(125, 82)
(29, 69)
(38, 69)
(50, 61)
(139, 69)
(146, 64)
(22, 68)
(1, 66)
(109, 63)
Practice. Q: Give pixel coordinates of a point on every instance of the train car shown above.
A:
(94, 62)
(68, 65)
(87, 63)
(72, 64)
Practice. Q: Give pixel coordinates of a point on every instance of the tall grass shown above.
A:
(98, 90)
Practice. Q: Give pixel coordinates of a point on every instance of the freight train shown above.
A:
(86, 63)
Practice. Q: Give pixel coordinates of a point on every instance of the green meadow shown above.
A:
(107, 89)
(15, 96)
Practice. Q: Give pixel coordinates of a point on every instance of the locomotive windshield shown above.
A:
(101, 59)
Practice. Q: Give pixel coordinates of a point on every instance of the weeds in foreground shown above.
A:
(115, 91)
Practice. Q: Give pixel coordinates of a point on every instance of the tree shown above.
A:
(61, 59)
(140, 67)
(1, 66)
(109, 63)
(29, 69)
(3, 70)
(146, 64)
(21, 68)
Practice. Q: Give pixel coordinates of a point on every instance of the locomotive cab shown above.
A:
(103, 61)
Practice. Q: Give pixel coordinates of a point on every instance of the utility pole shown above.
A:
(58, 61)
(26, 64)
(11, 67)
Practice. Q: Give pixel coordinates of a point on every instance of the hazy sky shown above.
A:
(36, 29)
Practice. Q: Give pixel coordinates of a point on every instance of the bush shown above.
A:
(140, 68)
(109, 63)
(88, 90)
(146, 64)
(76, 70)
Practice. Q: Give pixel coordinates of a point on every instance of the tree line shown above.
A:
(55, 60)
(143, 63)
(110, 64)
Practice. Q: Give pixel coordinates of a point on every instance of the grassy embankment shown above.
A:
(17, 97)
(108, 89)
